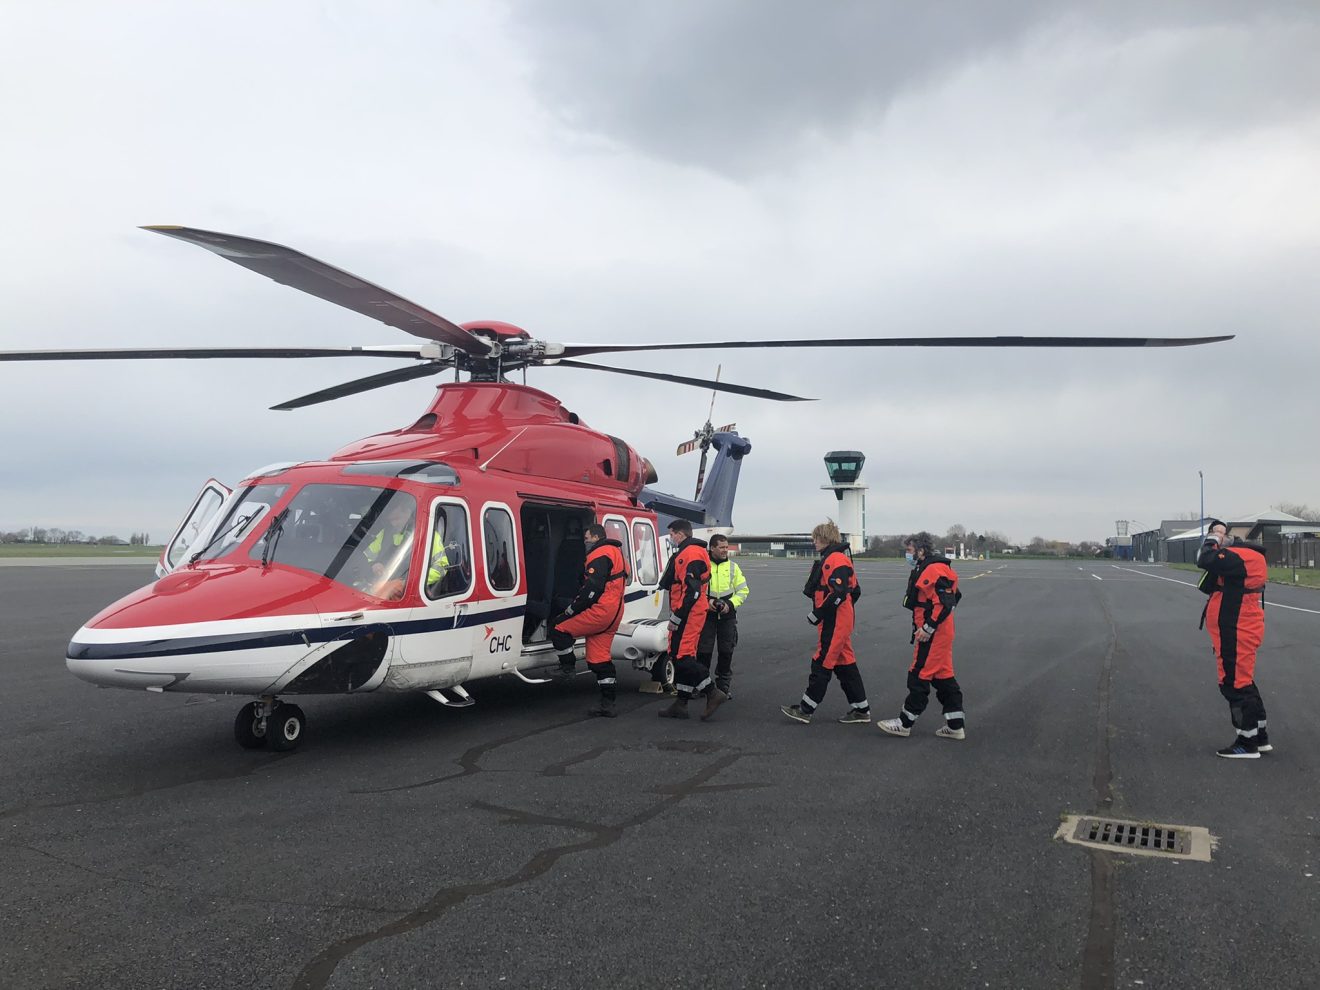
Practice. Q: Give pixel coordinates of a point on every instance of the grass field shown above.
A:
(40, 550)
(1306, 577)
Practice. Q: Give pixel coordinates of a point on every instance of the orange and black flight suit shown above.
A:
(833, 590)
(595, 613)
(687, 576)
(932, 595)
(1235, 578)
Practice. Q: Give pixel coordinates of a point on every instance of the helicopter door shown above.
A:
(497, 631)
(204, 510)
(438, 652)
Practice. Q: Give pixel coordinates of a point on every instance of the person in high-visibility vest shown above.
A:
(595, 613)
(1235, 577)
(727, 592)
(383, 549)
(932, 595)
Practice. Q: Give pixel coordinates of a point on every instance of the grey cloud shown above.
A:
(730, 85)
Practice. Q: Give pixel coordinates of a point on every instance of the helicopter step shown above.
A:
(269, 722)
(463, 699)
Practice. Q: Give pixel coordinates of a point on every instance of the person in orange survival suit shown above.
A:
(932, 595)
(594, 613)
(687, 576)
(833, 590)
(1235, 576)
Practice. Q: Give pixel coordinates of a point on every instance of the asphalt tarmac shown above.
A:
(521, 843)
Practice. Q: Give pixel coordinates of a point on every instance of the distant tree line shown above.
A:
(55, 535)
(974, 544)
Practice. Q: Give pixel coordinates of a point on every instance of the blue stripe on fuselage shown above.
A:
(283, 637)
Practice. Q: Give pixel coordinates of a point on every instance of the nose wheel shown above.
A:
(269, 722)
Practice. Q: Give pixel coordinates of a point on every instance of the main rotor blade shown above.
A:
(293, 268)
(365, 384)
(146, 353)
(578, 350)
(756, 393)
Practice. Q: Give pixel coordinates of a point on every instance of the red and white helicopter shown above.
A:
(425, 558)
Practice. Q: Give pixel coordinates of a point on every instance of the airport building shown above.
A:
(1286, 538)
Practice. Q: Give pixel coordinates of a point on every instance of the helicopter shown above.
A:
(424, 558)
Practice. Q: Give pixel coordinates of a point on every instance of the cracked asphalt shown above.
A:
(521, 843)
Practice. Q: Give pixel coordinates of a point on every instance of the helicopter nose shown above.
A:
(227, 629)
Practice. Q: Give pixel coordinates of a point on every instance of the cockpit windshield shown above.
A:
(247, 510)
(358, 535)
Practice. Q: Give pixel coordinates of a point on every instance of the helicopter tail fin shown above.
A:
(714, 508)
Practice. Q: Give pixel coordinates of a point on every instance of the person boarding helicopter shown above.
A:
(594, 613)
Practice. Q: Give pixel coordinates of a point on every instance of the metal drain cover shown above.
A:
(1139, 838)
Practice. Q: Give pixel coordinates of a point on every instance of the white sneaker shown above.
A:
(944, 732)
(893, 726)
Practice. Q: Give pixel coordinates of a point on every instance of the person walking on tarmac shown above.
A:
(594, 613)
(833, 590)
(728, 591)
(932, 594)
(1235, 576)
(687, 577)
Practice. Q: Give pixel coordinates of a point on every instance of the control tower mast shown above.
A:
(844, 468)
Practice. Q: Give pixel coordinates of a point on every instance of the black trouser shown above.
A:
(946, 690)
(850, 679)
(606, 678)
(720, 630)
(691, 677)
(1247, 710)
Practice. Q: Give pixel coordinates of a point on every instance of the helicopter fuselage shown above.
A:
(420, 559)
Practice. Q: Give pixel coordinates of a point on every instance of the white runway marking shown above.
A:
(1096, 576)
(1189, 584)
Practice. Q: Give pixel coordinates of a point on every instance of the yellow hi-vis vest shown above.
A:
(439, 560)
(727, 581)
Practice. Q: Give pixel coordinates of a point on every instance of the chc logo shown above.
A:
(498, 644)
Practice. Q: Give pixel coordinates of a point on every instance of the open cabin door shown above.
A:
(205, 508)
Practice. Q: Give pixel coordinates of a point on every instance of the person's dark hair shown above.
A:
(718, 538)
(921, 542)
(1212, 523)
(596, 530)
(681, 526)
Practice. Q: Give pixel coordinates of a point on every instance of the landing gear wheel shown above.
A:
(250, 726)
(669, 671)
(285, 727)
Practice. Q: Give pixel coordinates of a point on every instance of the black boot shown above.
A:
(714, 698)
(605, 709)
(567, 664)
(677, 710)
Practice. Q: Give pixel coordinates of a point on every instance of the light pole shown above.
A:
(1202, 477)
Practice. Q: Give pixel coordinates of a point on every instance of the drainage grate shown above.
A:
(1129, 835)
(1139, 838)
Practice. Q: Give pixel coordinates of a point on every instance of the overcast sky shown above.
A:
(698, 169)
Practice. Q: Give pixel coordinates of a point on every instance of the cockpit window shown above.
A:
(248, 509)
(357, 535)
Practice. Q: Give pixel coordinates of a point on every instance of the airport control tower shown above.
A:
(844, 468)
